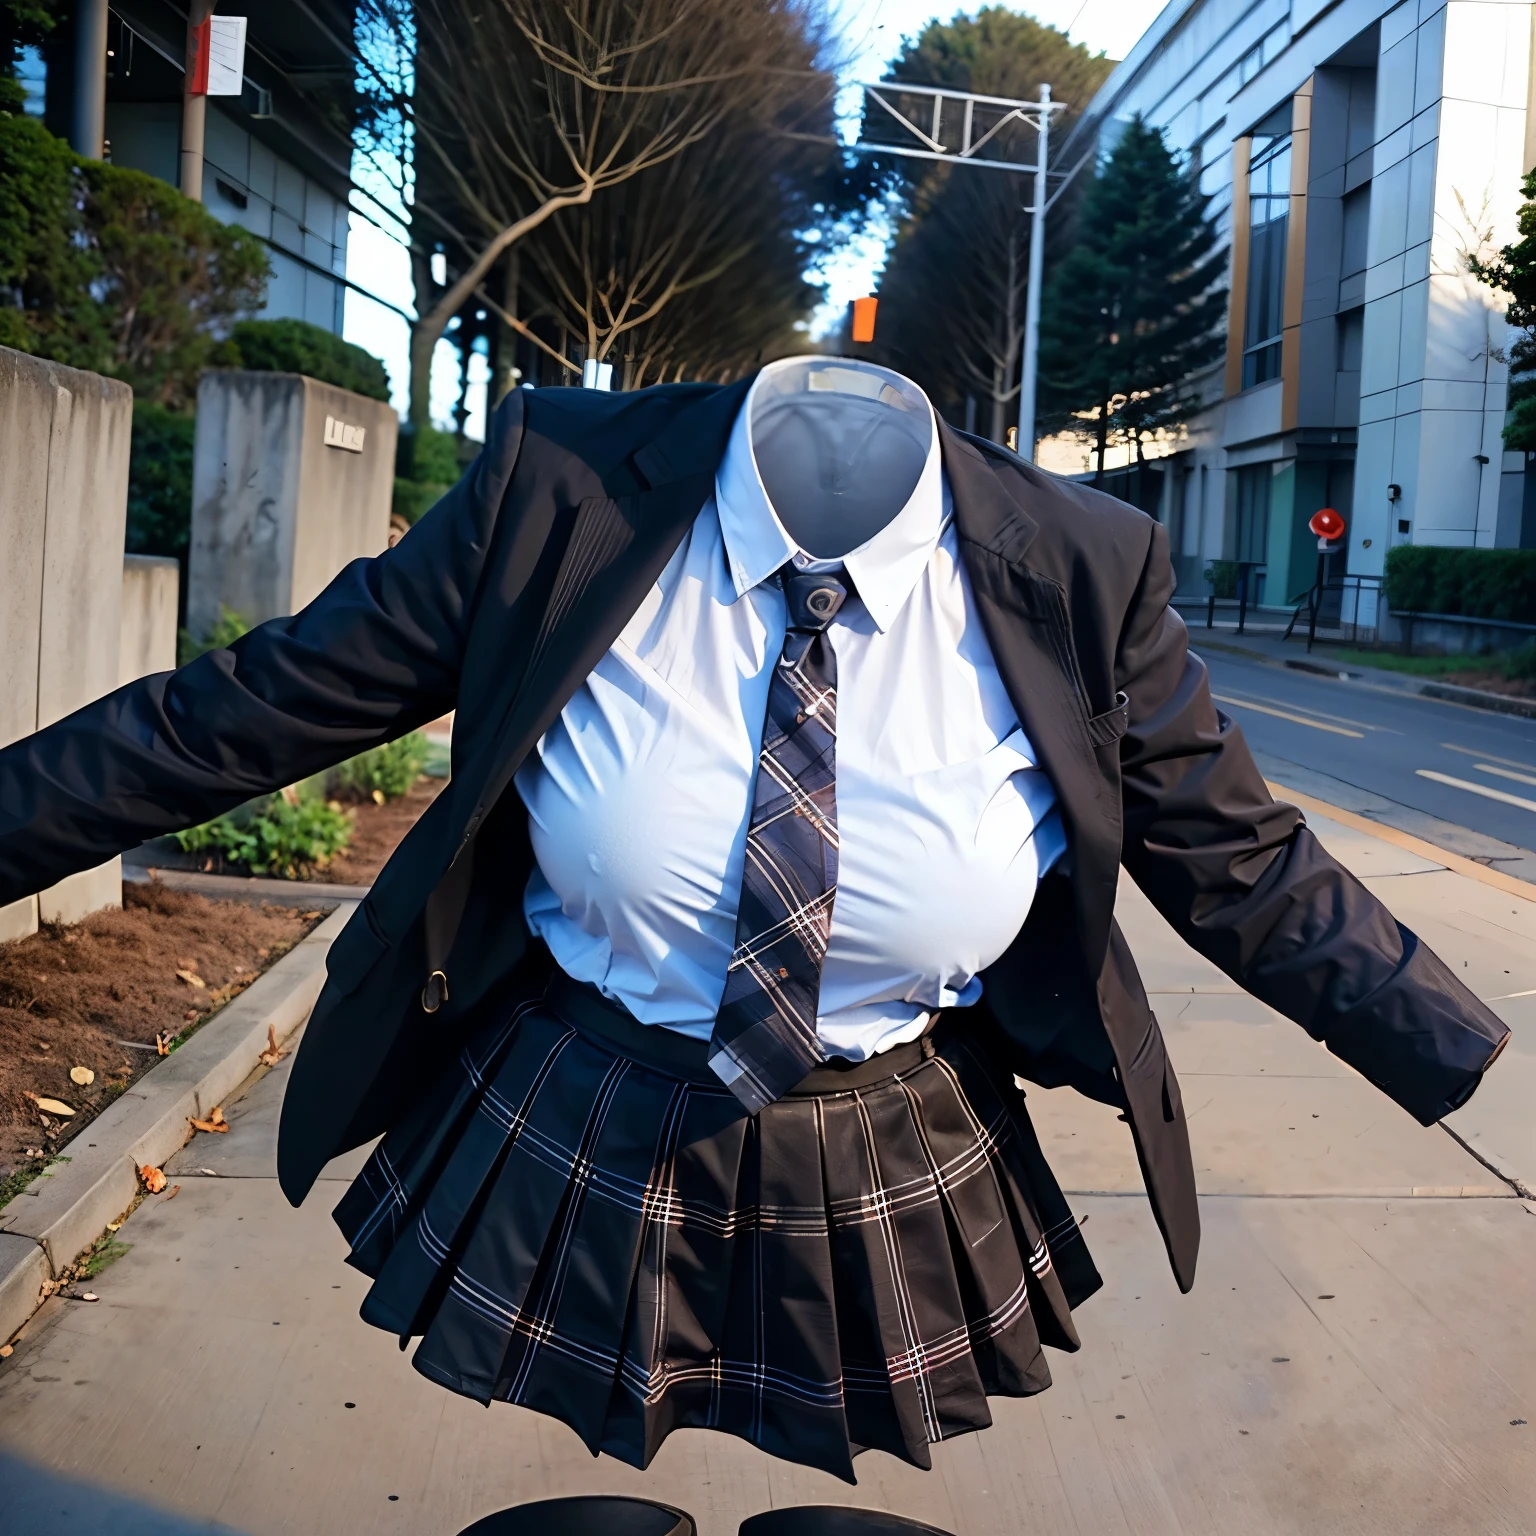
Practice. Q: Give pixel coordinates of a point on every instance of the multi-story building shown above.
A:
(1357, 152)
(277, 157)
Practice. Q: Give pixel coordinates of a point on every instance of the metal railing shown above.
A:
(1359, 602)
(1249, 573)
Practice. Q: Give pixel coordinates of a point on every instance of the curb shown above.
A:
(61, 1213)
(252, 888)
(1380, 680)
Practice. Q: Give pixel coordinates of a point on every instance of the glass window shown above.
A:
(32, 73)
(1269, 202)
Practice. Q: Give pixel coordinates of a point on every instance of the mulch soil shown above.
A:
(1491, 682)
(70, 995)
(376, 833)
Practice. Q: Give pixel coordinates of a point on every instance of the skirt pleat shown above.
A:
(618, 1245)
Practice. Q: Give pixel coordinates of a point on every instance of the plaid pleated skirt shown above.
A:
(580, 1219)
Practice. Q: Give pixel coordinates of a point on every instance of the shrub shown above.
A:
(227, 628)
(384, 773)
(1475, 583)
(296, 346)
(287, 836)
(114, 270)
(1222, 577)
(160, 482)
(426, 468)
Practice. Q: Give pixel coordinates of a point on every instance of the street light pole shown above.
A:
(194, 103)
(1029, 366)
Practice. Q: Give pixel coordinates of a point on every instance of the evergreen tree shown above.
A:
(22, 23)
(952, 294)
(1134, 309)
(1514, 271)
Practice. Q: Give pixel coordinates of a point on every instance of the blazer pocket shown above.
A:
(356, 950)
(1106, 729)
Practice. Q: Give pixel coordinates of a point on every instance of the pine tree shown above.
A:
(1514, 271)
(1134, 309)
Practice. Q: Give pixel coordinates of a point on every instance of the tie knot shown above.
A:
(814, 598)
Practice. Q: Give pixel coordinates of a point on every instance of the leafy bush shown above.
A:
(114, 270)
(160, 482)
(1222, 577)
(288, 836)
(1476, 583)
(1521, 664)
(296, 346)
(426, 468)
(384, 773)
(227, 628)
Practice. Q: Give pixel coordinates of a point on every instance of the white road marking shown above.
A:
(1509, 762)
(1506, 773)
(1476, 789)
(1285, 714)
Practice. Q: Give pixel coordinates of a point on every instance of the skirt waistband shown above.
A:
(612, 1025)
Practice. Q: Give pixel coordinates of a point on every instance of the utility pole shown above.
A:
(940, 141)
(194, 101)
(1029, 365)
(88, 129)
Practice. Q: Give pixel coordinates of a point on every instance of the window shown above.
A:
(1269, 202)
(32, 75)
(1263, 53)
(1253, 482)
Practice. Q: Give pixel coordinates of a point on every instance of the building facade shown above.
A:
(1357, 153)
(277, 157)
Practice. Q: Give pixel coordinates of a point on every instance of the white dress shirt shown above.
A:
(640, 794)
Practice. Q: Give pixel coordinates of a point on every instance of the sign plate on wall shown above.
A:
(342, 434)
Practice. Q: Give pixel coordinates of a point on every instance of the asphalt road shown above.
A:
(1469, 767)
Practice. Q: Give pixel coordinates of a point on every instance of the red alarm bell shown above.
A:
(1326, 524)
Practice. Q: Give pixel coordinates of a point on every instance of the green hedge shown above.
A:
(1477, 583)
(296, 346)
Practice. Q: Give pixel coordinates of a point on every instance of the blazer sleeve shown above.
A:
(1248, 885)
(374, 656)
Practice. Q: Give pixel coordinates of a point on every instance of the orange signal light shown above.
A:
(864, 319)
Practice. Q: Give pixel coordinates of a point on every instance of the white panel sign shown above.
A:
(342, 434)
(226, 55)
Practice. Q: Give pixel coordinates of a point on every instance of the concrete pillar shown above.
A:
(291, 479)
(151, 586)
(87, 133)
(1451, 99)
(64, 439)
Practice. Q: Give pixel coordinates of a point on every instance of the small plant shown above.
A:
(384, 773)
(287, 836)
(227, 628)
(1222, 576)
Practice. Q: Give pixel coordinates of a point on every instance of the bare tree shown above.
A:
(739, 211)
(517, 109)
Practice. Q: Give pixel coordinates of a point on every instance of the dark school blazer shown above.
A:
(505, 596)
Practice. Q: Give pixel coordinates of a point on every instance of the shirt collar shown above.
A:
(884, 568)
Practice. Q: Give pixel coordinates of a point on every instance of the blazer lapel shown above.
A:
(1025, 617)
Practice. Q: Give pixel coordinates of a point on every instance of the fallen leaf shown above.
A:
(154, 1178)
(192, 979)
(82, 1075)
(306, 917)
(212, 1173)
(273, 1053)
(175, 1190)
(290, 794)
(378, 797)
(52, 1106)
(112, 1226)
(162, 1045)
(261, 954)
(5, 1351)
(90, 1296)
(214, 1122)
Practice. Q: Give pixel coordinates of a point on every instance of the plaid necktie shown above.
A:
(765, 1039)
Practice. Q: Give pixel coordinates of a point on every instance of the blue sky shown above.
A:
(872, 33)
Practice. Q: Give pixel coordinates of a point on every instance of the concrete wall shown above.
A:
(277, 510)
(151, 585)
(64, 439)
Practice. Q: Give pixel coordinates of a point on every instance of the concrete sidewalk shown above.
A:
(1357, 1354)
